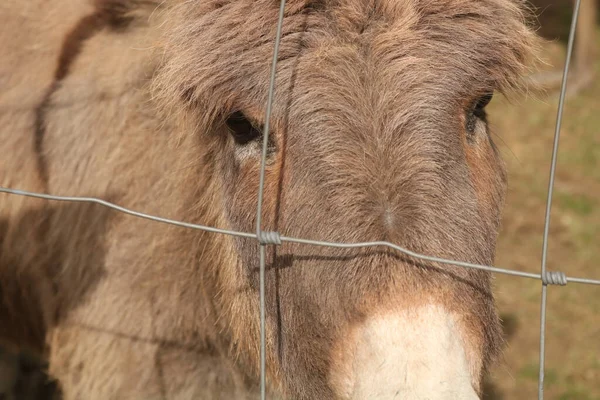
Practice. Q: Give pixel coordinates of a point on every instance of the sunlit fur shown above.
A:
(126, 100)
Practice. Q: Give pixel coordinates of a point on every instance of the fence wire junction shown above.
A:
(265, 238)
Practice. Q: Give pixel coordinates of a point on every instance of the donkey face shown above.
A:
(379, 133)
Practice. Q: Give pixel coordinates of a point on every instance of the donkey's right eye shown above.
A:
(242, 129)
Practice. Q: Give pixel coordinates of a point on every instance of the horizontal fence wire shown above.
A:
(289, 239)
(274, 238)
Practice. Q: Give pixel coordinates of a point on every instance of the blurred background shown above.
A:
(524, 133)
(523, 130)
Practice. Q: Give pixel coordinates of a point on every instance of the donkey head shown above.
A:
(378, 132)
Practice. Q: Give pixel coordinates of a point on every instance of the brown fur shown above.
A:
(369, 144)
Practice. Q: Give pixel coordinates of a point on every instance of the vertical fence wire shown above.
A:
(559, 114)
(259, 232)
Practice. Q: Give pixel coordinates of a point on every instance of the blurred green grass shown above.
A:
(524, 132)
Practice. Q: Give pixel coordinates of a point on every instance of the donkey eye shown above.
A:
(483, 101)
(477, 115)
(241, 129)
(479, 106)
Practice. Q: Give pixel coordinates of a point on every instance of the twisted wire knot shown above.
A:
(554, 278)
(269, 237)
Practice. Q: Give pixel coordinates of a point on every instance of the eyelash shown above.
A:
(477, 112)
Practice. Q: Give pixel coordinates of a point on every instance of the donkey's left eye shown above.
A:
(480, 104)
(476, 114)
(483, 101)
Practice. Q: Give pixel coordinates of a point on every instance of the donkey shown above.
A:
(379, 132)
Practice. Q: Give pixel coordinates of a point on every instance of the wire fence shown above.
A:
(265, 238)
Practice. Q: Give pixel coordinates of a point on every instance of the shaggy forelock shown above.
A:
(222, 49)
